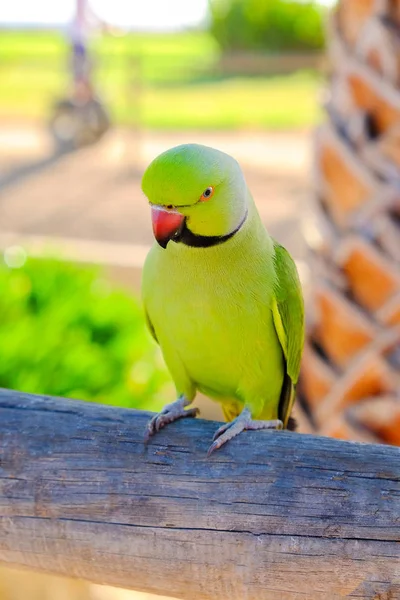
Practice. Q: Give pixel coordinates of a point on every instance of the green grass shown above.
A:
(275, 103)
(176, 85)
(66, 331)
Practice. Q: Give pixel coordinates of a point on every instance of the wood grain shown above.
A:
(273, 515)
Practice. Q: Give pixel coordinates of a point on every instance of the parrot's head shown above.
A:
(198, 195)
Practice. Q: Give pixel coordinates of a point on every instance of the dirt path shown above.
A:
(95, 193)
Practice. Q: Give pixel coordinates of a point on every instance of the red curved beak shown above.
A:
(166, 224)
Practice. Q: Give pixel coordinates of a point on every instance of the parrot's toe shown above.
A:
(170, 413)
(244, 421)
(221, 430)
(163, 419)
(226, 433)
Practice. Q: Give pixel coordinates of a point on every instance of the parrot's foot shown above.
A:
(244, 421)
(169, 414)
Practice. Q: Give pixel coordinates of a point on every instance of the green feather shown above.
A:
(288, 314)
(291, 309)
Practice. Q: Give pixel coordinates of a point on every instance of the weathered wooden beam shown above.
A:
(273, 515)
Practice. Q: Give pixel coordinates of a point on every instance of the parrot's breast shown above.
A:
(211, 312)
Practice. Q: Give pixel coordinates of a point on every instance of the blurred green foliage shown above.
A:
(65, 331)
(161, 81)
(276, 25)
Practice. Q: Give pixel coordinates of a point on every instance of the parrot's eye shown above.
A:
(207, 194)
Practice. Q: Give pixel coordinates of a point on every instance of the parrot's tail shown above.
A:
(286, 402)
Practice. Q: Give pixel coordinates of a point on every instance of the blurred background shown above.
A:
(91, 91)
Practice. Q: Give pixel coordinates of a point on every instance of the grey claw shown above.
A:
(170, 413)
(211, 449)
(220, 431)
(193, 412)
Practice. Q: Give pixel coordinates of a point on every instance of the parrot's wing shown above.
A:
(288, 315)
(150, 325)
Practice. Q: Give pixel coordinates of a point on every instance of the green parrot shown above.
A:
(222, 298)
